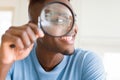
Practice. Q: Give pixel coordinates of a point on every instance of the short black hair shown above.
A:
(32, 1)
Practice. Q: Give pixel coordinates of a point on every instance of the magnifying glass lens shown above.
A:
(56, 19)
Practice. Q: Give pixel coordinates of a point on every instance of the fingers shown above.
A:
(22, 39)
(20, 34)
(31, 34)
(10, 39)
(36, 30)
(24, 36)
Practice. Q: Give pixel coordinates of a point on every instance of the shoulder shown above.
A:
(82, 57)
(91, 64)
(85, 54)
(87, 57)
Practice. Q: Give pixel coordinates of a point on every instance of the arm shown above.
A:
(4, 68)
(93, 68)
(23, 38)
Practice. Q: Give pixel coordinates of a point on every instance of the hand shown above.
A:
(23, 38)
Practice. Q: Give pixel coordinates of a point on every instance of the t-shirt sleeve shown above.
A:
(93, 67)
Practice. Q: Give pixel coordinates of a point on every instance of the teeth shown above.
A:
(67, 37)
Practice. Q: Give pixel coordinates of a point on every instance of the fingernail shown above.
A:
(41, 34)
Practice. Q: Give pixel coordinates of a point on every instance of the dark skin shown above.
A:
(50, 50)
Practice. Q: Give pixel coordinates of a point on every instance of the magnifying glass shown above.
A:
(56, 19)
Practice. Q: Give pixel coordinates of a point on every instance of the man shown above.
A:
(38, 56)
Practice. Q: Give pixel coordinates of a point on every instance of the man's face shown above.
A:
(64, 44)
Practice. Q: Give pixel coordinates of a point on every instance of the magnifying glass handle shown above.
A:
(12, 46)
(39, 22)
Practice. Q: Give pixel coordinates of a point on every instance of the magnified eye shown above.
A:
(56, 18)
(60, 20)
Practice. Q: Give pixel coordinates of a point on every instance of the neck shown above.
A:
(48, 59)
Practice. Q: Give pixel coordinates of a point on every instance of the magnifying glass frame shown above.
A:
(58, 2)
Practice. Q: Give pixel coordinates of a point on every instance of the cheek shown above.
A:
(51, 42)
(34, 17)
(46, 40)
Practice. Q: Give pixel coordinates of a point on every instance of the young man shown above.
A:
(37, 56)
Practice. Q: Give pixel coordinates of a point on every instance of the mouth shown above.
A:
(68, 39)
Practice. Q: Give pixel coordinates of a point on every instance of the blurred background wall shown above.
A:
(98, 22)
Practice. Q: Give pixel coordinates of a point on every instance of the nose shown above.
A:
(74, 30)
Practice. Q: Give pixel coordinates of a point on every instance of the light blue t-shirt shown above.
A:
(82, 65)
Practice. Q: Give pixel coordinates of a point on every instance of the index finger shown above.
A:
(36, 30)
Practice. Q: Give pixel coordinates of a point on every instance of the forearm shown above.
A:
(4, 68)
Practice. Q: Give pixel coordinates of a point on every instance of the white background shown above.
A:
(99, 27)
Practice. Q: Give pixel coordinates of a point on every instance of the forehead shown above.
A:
(44, 1)
(41, 3)
(36, 6)
(40, 0)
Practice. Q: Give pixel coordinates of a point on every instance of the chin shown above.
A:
(68, 51)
